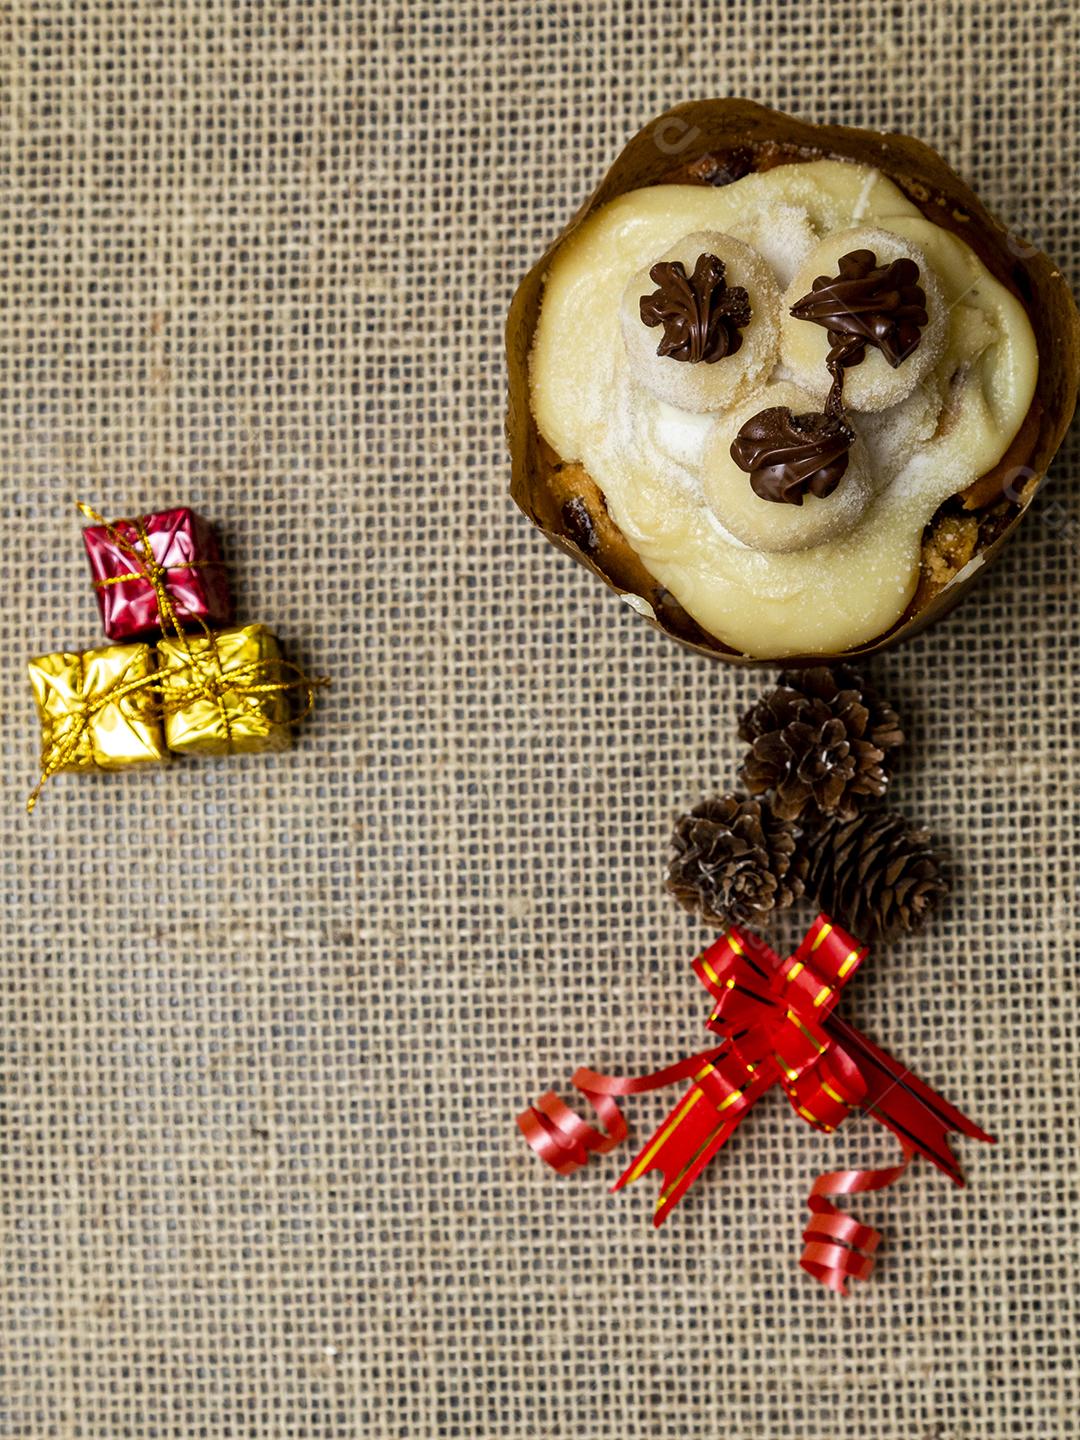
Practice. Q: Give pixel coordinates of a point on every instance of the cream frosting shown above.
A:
(822, 577)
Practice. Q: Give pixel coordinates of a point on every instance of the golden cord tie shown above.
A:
(244, 680)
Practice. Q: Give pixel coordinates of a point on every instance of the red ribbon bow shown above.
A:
(779, 1027)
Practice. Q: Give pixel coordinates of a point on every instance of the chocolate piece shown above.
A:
(725, 169)
(788, 456)
(701, 315)
(579, 524)
(867, 304)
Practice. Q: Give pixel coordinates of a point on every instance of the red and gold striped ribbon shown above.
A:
(565, 1141)
(779, 1027)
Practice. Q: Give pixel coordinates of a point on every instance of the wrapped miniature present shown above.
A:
(159, 573)
(229, 692)
(99, 710)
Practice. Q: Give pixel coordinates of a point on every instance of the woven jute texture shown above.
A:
(267, 1021)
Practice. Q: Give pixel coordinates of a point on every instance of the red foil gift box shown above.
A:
(166, 563)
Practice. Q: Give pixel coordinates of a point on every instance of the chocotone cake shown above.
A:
(782, 394)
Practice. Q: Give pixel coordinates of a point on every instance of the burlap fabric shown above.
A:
(267, 1021)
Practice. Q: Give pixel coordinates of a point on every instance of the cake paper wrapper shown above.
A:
(566, 504)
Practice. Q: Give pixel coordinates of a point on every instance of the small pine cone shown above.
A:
(876, 875)
(734, 861)
(820, 740)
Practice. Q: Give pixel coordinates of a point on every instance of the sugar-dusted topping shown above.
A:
(782, 235)
(650, 455)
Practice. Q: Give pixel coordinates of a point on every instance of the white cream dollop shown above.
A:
(720, 384)
(873, 384)
(763, 524)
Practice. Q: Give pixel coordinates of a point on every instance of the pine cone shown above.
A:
(734, 861)
(876, 875)
(820, 740)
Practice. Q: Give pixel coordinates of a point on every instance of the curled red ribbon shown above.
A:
(837, 1247)
(564, 1141)
(776, 1018)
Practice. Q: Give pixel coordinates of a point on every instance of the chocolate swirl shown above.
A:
(867, 304)
(788, 456)
(701, 314)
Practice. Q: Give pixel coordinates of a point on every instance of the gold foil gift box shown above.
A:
(98, 709)
(225, 693)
